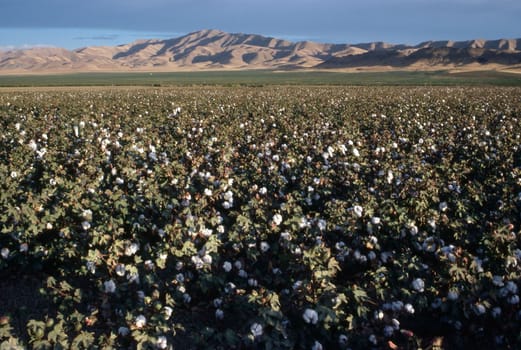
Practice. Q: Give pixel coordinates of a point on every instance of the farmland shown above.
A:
(266, 77)
(278, 217)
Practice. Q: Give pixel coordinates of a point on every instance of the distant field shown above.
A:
(264, 78)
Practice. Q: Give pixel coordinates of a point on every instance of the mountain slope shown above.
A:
(214, 49)
(436, 57)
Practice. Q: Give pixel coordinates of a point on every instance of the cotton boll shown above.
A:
(310, 316)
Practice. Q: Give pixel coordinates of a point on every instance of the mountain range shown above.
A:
(214, 49)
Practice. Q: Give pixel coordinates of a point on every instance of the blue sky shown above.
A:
(78, 23)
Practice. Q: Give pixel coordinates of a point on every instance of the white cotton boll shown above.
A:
(375, 220)
(91, 267)
(453, 294)
(85, 225)
(310, 316)
(109, 286)
(429, 245)
(388, 331)
(304, 222)
(413, 229)
(395, 324)
(187, 298)
(152, 156)
(297, 285)
(207, 259)
(496, 312)
(409, 308)
(285, 236)
(264, 246)
(356, 153)
(379, 315)
(342, 339)
(140, 321)
(217, 302)
(197, 261)
(317, 346)
(358, 210)
(87, 214)
(206, 232)
(228, 196)
(443, 206)
(418, 285)
(120, 270)
(397, 305)
(277, 219)
(24, 247)
(123, 331)
(479, 309)
(511, 287)
(180, 278)
(161, 342)
(219, 314)
(32, 145)
(390, 177)
(497, 281)
(131, 249)
(325, 155)
(256, 330)
(161, 233)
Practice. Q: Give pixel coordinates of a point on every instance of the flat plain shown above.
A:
(267, 77)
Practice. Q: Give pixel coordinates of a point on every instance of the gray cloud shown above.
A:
(102, 37)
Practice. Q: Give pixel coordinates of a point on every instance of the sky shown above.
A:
(78, 23)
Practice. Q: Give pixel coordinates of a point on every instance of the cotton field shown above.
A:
(261, 217)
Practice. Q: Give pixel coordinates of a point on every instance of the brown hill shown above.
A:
(430, 57)
(214, 49)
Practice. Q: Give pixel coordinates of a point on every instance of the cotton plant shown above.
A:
(300, 221)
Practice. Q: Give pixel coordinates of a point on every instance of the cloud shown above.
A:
(24, 47)
(97, 38)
